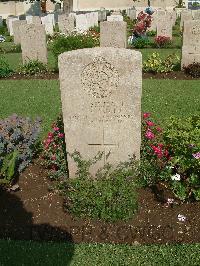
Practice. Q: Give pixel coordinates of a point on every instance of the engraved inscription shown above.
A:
(100, 78)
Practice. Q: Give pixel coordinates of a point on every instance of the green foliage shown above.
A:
(73, 42)
(3, 30)
(151, 33)
(33, 67)
(155, 64)
(110, 196)
(193, 70)
(141, 43)
(9, 38)
(8, 168)
(5, 70)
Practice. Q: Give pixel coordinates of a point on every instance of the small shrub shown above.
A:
(33, 67)
(5, 70)
(54, 151)
(172, 156)
(193, 70)
(111, 196)
(3, 30)
(73, 42)
(140, 43)
(155, 64)
(18, 137)
(9, 38)
(162, 41)
(151, 33)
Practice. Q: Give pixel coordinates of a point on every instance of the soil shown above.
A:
(36, 213)
(176, 75)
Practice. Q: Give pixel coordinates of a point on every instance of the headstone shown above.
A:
(81, 23)
(33, 43)
(36, 20)
(94, 18)
(113, 34)
(115, 18)
(132, 13)
(191, 43)
(185, 16)
(196, 14)
(10, 24)
(164, 29)
(102, 14)
(29, 19)
(16, 30)
(66, 24)
(48, 24)
(154, 22)
(1, 21)
(101, 92)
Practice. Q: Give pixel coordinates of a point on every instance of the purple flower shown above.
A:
(196, 155)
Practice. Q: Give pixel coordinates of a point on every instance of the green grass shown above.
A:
(15, 59)
(163, 52)
(162, 98)
(34, 253)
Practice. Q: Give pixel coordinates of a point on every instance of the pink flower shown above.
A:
(61, 135)
(149, 134)
(159, 129)
(158, 151)
(196, 155)
(146, 115)
(53, 157)
(150, 123)
(56, 128)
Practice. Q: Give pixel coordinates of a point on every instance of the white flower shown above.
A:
(170, 201)
(181, 218)
(176, 177)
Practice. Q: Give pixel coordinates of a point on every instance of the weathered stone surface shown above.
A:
(164, 28)
(33, 43)
(66, 24)
(115, 18)
(191, 43)
(81, 23)
(196, 14)
(185, 16)
(1, 21)
(48, 22)
(113, 34)
(36, 20)
(16, 30)
(101, 103)
(10, 24)
(102, 15)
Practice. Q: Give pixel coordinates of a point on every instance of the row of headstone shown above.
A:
(162, 16)
(49, 22)
(66, 24)
(115, 16)
(86, 21)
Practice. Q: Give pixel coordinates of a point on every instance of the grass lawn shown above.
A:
(162, 98)
(35, 253)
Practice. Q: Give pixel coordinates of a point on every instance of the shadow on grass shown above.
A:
(26, 241)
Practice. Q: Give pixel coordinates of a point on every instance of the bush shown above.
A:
(5, 70)
(193, 70)
(162, 41)
(18, 137)
(151, 33)
(172, 156)
(111, 196)
(73, 42)
(33, 67)
(140, 43)
(3, 30)
(54, 153)
(155, 64)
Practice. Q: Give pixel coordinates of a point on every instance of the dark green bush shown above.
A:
(33, 67)
(5, 70)
(141, 43)
(151, 33)
(193, 70)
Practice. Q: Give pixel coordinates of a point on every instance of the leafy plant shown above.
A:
(193, 70)
(54, 151)
(111, 196)
(162, 41)
(151, 33)
(18, 138)
(155, 64)
(5, 70)
(140, 43)
(33, 67)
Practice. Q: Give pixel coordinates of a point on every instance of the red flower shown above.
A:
(61, 135)
(146, 115)
(50, 135)
(149, 134)
(150, 123)
(56, 128)
(159, 129)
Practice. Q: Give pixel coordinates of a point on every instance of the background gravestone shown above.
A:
(101, 104)
(1, 21)
(115, 18)
(48, 24)
(66, 24)
(191, 43)
(33, 43)
(81, 23)
(164, 29)
(113, 34)
(185, 16)
(16, 30)
(10, 24)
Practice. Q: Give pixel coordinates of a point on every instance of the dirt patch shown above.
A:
(36, 213)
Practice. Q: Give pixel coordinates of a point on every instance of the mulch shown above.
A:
(176, 75)
(35, 212)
